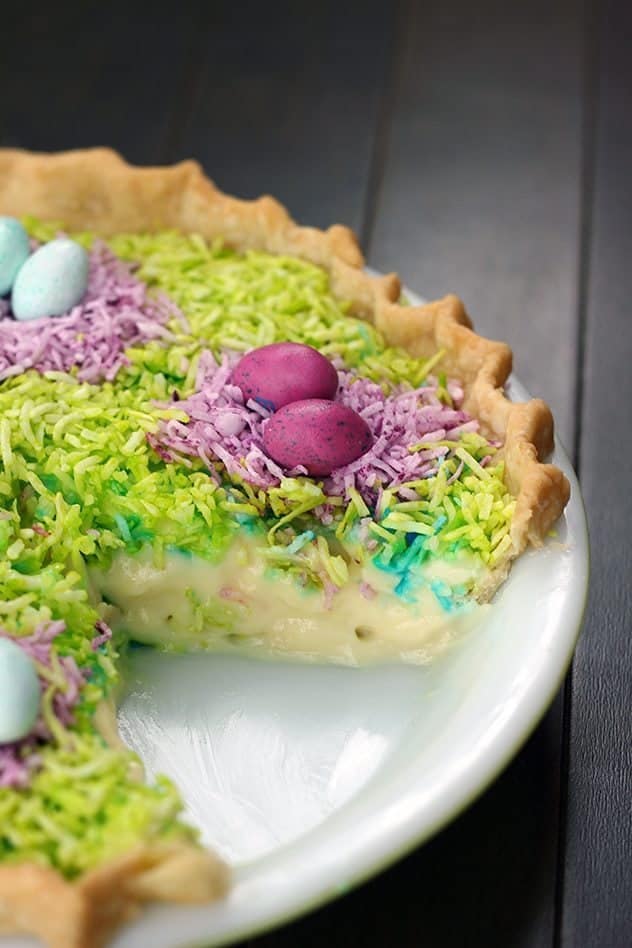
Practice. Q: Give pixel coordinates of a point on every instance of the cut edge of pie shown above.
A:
(95, 189)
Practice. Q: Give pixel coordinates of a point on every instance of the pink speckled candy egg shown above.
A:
(284, 372)
(318, 434)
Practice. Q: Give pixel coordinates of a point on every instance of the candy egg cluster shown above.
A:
(19, 692)
(48, 282)
(308, 428)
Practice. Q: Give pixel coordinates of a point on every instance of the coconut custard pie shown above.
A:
(217, 432)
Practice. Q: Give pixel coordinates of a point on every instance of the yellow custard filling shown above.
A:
(190, 604)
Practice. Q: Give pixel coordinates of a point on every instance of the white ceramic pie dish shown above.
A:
(311, 778)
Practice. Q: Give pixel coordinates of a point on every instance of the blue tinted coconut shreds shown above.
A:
(120, 429)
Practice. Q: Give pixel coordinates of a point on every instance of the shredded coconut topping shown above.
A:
(406, 425)
(61, 681)
(116, 313)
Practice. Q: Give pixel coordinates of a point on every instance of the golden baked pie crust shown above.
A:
(97, 190)
(37, 900)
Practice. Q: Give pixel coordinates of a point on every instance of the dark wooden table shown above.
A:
(483, 148)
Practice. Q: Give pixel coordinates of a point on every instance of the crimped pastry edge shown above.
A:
(37, 900)
(95, 189)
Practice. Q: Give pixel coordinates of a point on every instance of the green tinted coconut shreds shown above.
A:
(80, 482)
(85, 807)
(75, 474)
(239, 302)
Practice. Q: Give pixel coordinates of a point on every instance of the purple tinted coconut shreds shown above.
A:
(116, 313)
(399, 420)
(19, 759)
(222, 428)
(104, 634)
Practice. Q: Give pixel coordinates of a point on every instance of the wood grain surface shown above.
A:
(484, 149)
(597, 904)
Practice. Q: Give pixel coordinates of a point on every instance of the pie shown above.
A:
(143, 496)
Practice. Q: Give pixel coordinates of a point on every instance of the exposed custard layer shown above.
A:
(238, 604)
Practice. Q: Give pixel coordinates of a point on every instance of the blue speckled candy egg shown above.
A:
(19, 692)
(14, 251)
(52, 281)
